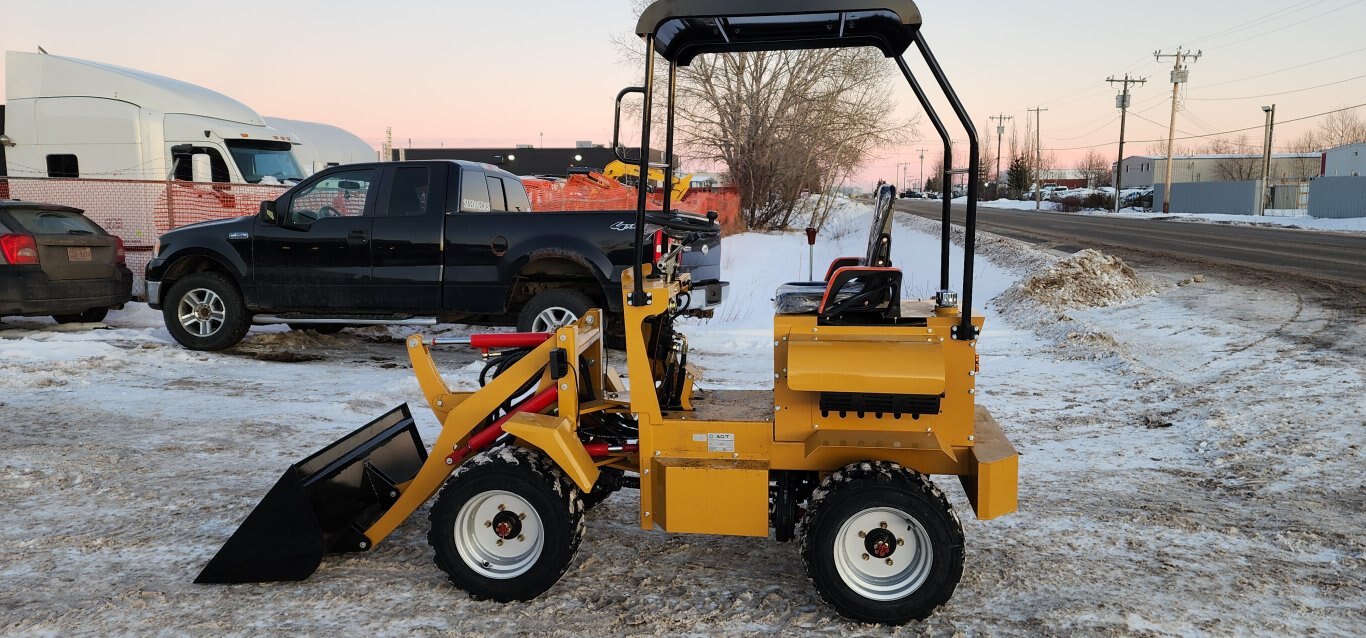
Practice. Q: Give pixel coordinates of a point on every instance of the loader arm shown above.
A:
(453, 445)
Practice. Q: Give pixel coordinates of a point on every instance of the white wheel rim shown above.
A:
(202, 312)
(494, 552)
(890, 576)
(552, 319)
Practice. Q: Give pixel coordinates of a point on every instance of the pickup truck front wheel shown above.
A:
(204, 311)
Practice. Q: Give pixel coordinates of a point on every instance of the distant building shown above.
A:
(1146, 170)
(527, 161)
(1345, 161)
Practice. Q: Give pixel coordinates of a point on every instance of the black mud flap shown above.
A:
(322, 504)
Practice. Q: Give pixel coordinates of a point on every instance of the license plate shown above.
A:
(78, 253)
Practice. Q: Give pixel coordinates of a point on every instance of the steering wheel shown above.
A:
(328, 211)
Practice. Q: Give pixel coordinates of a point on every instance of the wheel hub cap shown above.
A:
(883, 554)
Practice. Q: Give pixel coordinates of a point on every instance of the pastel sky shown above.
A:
(464, 73)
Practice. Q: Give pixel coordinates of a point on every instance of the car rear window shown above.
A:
(54, 222)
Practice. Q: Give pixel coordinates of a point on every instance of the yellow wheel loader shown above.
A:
(872, 395)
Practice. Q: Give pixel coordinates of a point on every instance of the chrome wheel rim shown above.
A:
(552, 319)
(499, 534)
(882, 553)
(202, 312)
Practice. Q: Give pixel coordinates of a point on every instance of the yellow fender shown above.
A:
(555, 436)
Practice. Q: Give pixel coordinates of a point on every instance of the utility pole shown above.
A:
(1180, 75)
(1000, 132)
(1266, 158)
(922, 171)
(1122, 102)
(1038, 156)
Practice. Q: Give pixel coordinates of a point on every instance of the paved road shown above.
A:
(1335, 257)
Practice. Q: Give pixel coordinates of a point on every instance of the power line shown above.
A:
(1293, 24)
(1250, 97)
(1194, 137)
(1270, 17)
(1289, 68)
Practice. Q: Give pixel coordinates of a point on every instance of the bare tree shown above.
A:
(1238, 163)
(1308, 142)
(1095, 168)
(1340, 129)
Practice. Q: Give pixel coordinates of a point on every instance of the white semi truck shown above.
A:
(66, 117)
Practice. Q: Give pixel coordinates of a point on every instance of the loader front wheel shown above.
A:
(506, 525)
(881, 543)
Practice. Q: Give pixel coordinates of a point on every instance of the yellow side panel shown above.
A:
(882, 367)
(555, 436)
(709, 496)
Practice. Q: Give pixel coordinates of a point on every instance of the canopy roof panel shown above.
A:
(684, 29)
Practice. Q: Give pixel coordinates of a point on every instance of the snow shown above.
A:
(1273, 218)
(1191, 464)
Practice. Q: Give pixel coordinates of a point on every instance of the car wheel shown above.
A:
(93, 315)
(204, 311)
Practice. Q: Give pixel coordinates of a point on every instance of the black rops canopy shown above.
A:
(684, 29)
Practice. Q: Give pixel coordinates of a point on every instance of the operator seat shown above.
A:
(808, 297)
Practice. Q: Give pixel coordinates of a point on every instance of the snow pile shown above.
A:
(1088, 279)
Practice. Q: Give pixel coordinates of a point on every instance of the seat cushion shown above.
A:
(799, 298)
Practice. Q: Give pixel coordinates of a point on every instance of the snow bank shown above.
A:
(1088, 279)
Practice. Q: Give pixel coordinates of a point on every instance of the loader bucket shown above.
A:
(322, 504)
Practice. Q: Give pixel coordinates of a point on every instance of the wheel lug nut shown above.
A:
(863, 534)
(488, 523)
(500, 541)
(521, 538)
(889, 561)
(883, 524)
(900, 542)
(521, 516)
(865, 557)
(501, 507)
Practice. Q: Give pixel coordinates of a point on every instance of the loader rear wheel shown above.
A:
(506, 525)
(881, 543)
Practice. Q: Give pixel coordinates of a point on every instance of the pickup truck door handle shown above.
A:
(357, 237)
(499, 246)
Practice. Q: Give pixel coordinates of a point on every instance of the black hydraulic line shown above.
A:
(669, 141)
(946, 238)
(965, 331)
(638, 296)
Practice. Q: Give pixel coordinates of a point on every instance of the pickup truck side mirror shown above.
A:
(268, 212)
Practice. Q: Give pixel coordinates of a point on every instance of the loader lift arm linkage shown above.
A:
(871, 396)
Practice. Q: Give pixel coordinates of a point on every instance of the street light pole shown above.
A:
(1266, 159)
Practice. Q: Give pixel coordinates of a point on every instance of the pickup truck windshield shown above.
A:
(258, 159)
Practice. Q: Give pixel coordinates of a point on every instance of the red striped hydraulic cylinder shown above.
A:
(485, 437)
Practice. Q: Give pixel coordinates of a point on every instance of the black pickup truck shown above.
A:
(411, 243)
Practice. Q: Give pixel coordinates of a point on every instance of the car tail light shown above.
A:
(120, 255)
(19, 249)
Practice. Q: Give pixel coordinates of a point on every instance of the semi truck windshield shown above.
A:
(258, 159)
